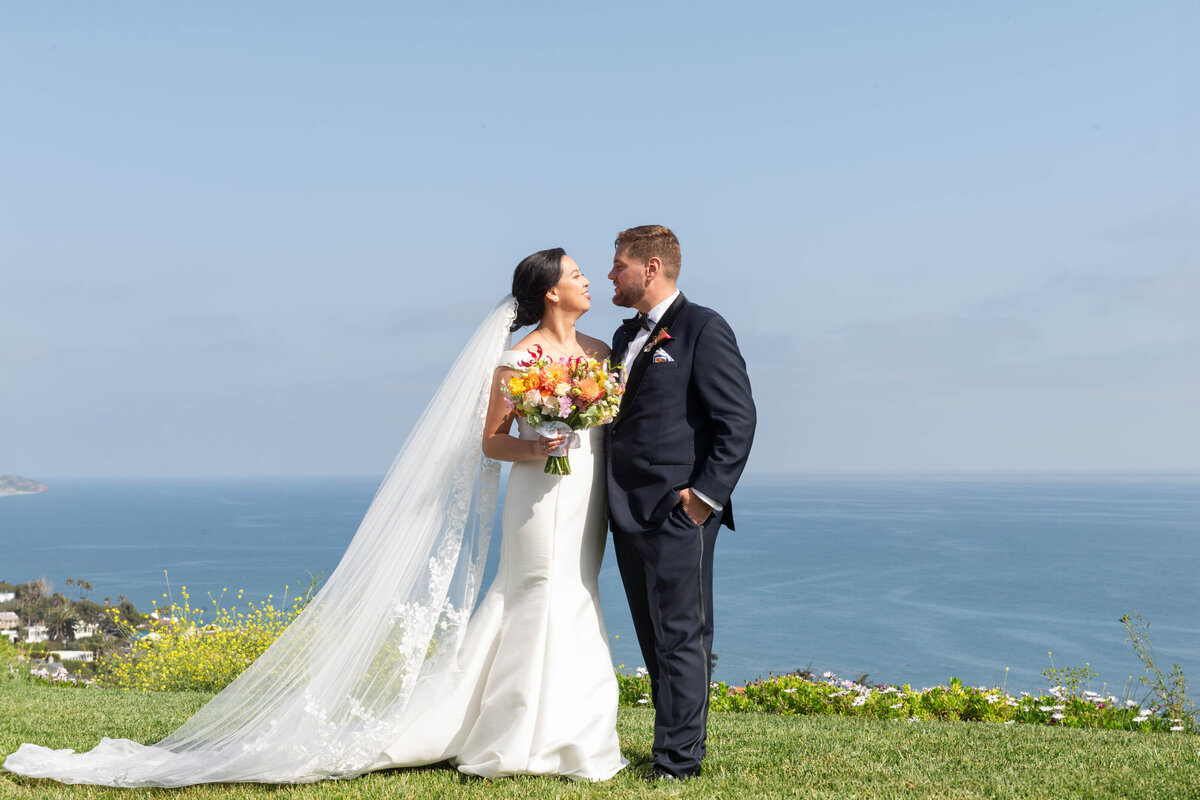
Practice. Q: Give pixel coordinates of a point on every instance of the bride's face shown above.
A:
(572, 288)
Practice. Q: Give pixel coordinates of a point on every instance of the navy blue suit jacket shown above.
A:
(684, 422)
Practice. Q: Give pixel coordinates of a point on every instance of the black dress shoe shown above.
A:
(660, 774)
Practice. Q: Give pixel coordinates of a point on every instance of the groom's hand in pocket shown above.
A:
(697, 510)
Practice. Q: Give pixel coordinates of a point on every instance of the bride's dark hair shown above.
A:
(532, 278)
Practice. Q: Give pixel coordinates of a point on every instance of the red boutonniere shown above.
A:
(662, 336)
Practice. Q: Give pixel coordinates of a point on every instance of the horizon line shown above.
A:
(803, 473)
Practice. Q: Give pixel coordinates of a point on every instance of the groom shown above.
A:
(675, 452)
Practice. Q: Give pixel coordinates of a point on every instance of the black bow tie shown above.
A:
(631, 326)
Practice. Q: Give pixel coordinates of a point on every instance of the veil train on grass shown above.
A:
(330, 692)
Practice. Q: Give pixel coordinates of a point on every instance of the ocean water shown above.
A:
(909, 580)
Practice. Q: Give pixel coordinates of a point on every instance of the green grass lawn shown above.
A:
(750, 755)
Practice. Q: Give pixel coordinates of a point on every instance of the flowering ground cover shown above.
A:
(827, 694)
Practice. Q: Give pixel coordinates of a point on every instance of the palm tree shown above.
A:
(60, 622)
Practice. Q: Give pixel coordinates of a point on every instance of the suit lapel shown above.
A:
(618, 348)
(641, 359)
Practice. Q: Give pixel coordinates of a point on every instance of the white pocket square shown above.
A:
(662, 356)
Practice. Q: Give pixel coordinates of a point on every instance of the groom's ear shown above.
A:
(653, 267)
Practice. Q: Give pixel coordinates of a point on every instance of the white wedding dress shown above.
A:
(387, 666)
(535, 692)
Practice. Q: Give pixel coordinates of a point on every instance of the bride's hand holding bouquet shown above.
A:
(558, 397)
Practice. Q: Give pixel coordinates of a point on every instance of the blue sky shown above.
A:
(247, 239)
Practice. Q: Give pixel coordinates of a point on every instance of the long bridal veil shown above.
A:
(326, 698)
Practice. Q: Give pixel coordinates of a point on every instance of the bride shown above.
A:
(387, 666)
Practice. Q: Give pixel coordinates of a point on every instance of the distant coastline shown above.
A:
(15, 484)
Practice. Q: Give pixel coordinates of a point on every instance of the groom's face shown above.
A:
(629, 278)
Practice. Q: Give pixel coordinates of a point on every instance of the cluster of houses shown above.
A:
(10, 625)
(8, 619)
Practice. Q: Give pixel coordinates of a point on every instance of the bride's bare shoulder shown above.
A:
(529, 341)
(594, 347)
(522, 347)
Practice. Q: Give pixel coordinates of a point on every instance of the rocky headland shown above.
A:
(15, 484)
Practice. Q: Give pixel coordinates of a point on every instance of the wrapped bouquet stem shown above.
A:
(558, 461)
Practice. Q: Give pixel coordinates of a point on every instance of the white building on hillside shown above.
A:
(7, 596)
(9, 620)
(36, 633)
(85, 629)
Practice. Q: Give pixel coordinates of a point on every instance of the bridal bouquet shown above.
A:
(561, 395)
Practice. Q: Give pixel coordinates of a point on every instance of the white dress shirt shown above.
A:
(631, 352)
(639, 341)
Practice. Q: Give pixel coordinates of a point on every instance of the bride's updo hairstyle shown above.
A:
(532, 278)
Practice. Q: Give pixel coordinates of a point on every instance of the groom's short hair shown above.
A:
(653, 241)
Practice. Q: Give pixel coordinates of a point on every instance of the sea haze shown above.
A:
(910, 580)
